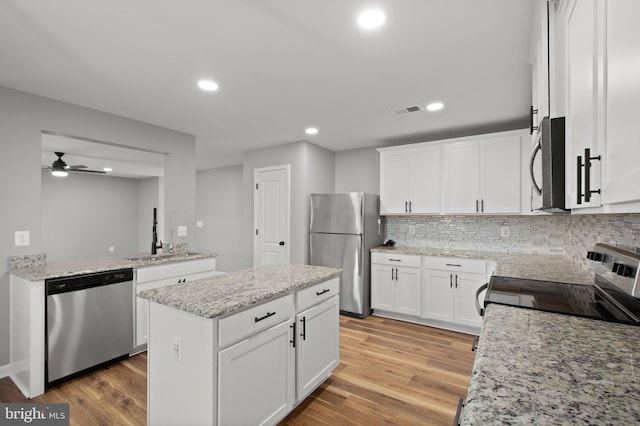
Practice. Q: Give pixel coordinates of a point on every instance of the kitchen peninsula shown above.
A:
(241, 348)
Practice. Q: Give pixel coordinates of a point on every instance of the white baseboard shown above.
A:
(474, 331)
(5, 371)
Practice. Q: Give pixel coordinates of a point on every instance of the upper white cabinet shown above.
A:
(601, 53)
(482, 176)
(622, 85)
(540, 68)
(468, 175)
(410, 180)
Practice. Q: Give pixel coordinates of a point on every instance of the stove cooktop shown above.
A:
(602, 301)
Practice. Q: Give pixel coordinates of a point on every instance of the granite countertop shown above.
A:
(535, 367)
(216, 296)
(548, 267)
(42, 270)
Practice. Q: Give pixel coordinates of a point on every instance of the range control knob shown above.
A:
(594, 255)
(622, 270)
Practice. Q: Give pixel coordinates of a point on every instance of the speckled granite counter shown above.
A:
(216, 296)
(535, 367)
(46, 270)
(551, 267)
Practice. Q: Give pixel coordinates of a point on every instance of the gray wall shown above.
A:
(22, 118)
(219, 206)
(312, 170)
(148, 198)
(357, 171)
(83, 215)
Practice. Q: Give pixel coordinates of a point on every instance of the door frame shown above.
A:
(287, 231)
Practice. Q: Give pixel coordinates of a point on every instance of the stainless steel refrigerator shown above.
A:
(343, 228)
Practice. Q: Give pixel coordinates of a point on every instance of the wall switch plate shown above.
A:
(504, 232)
(199, 224)
(22, 238)
(176, 348)
(182, 231)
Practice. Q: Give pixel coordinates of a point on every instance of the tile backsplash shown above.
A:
(546, 234)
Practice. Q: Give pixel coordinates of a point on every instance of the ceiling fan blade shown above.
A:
(86, 171)
(79, 166)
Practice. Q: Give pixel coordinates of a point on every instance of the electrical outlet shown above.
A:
(176, 348)
(199, 224)
(412, 229)
(22, 238)
(504, 232)
(182, 231)
(112, 249)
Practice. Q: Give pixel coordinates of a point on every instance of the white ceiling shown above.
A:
(282, 65)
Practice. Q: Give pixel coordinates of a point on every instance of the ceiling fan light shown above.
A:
(59, 173)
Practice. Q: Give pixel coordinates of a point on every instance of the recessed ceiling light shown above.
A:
(435, 106)
(311, 131)
(208, 85)
(108, 169)
(371, 19)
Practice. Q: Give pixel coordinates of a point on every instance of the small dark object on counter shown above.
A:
(389, 243)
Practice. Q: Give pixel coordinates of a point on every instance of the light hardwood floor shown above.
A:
(390, 372)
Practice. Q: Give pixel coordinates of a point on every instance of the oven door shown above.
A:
(535, 172)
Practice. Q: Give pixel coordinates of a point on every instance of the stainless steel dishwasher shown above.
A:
(89, 322)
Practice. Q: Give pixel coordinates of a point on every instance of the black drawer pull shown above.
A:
(457, 265)
(269, 314)
(304, 328)
(394, 260)
(326, 290)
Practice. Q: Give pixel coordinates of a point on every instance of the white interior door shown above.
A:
(271, 215)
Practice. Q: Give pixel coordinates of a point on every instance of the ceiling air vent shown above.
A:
(406, 110)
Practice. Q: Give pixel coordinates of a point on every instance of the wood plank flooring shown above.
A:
(390, 372)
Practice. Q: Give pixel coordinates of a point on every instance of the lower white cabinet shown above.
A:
(450, 296)
(256, 382)
(318, 345)
(160, 276)
(395, 283)
(430, 290)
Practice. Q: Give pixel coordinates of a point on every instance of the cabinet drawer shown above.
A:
(245, 323)
(395, 259)
(316, 293)
(153, 273)
(455, 264)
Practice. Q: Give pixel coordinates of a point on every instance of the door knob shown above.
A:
(281, 243)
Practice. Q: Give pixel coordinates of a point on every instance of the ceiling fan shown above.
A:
(60, 168)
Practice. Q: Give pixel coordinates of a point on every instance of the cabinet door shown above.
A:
(424, 180)
(582, 75)
(408, 289)
(622, 102)
(437, 295)
(465, 285)
(460, 192)
(318, 345)
(540, 67)
(500, 175)
(394, 175)
(382, 287)
(256, 378)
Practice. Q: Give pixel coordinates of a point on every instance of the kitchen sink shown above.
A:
(148, 257)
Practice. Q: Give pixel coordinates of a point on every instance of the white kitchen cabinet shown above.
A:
(583, 94)
(395, 283)
(540, 67)
(151, 277)
(450, 286)
(482, 176)
(622, 86)
(257, 378)
(410, 180)
(318, 345)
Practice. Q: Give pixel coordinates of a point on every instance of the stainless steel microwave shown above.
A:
(547, 167)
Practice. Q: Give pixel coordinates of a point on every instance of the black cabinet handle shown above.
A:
(456, 280)
(474, 345)
(269, 314)
(293, 335)
(304, 328)
(456, 421)
(451, 280)
(579, 180)
(457, 265)
(326, 290)
(477, 209)
(409, 206)
(587, 175)
(281, 243)
(531, 114)
(394, 260)
(406, 210)
(482, 205)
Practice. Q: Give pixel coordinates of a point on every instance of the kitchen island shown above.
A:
(535, 367)
(242, 348)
